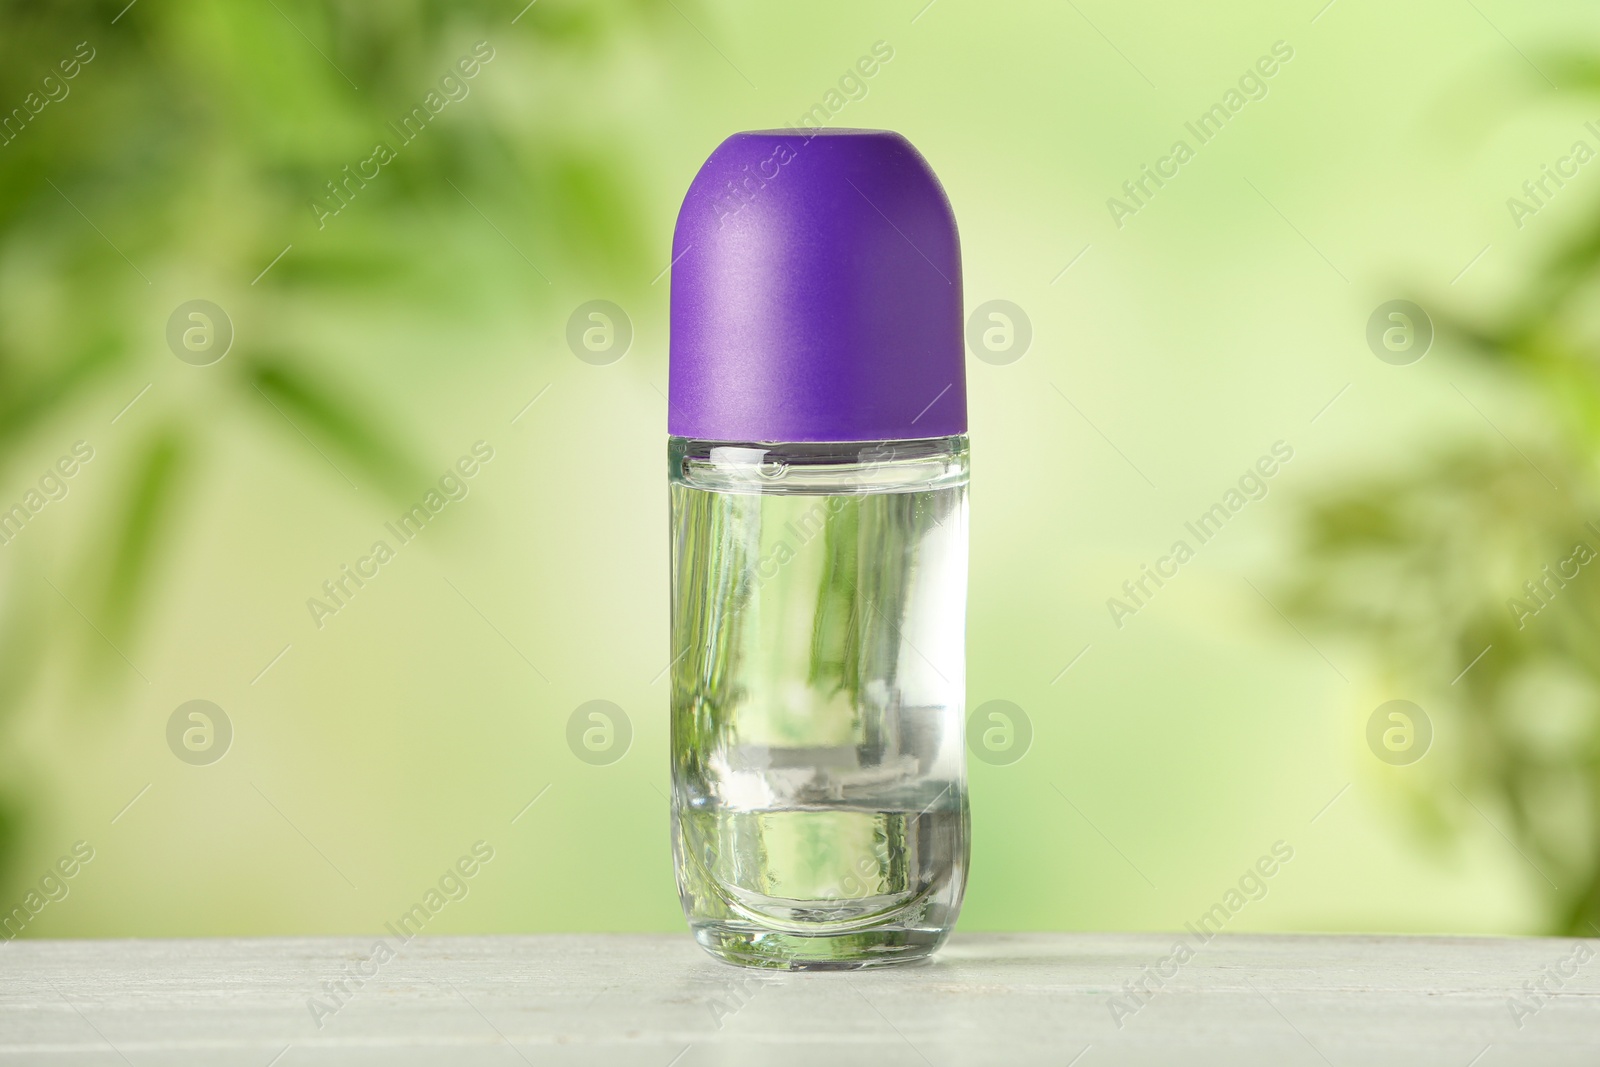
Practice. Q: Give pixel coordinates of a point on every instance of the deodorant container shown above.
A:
(817, 463)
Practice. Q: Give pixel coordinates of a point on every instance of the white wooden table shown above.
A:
(657, 1001)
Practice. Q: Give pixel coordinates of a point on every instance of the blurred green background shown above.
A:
(373, 347)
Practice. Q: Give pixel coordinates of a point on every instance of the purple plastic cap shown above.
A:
(816, 293)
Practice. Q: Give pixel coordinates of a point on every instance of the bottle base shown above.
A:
(749, 945)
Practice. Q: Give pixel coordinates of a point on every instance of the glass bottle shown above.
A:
(818, 623)
(817, 468)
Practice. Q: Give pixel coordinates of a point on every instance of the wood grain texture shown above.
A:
(657, 1001)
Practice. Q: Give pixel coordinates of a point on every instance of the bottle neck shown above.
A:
(813, 467)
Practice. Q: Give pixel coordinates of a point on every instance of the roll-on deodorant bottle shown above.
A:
(817, 461)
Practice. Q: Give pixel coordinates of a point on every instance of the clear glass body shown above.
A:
(819, 806)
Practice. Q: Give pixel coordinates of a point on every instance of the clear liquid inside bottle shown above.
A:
(819, 808)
